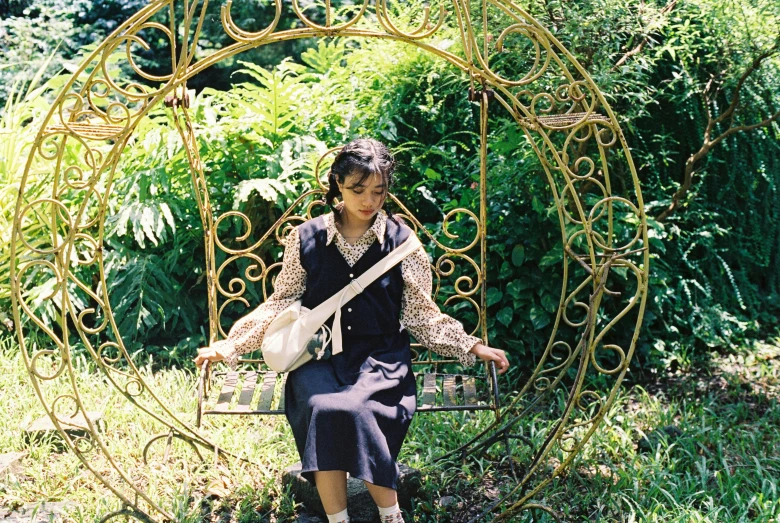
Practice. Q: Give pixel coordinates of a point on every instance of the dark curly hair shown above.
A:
(364, 157)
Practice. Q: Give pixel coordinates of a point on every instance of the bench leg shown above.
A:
(509, 455)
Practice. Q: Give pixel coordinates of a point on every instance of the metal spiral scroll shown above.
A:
(512, 63)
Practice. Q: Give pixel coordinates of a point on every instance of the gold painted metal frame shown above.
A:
(562, 113)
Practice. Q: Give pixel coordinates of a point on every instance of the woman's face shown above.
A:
(369, 196)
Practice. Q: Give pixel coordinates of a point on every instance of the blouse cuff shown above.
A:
(228, 350)
(466, 358)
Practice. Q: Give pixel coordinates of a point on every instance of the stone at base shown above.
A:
(360, 504)
(74, 427)
(310, 518)
(44, 512)
(11, 463)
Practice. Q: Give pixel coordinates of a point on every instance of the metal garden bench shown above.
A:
(254, 389)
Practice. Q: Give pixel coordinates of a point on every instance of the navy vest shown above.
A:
(375, 311)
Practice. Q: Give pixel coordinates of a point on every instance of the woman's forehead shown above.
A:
(374, 181)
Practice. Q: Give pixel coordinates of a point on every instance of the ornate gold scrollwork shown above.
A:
(554, 102)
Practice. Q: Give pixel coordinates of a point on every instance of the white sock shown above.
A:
(389, 510)
(341, 517)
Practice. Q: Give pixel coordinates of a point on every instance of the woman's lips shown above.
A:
(367, 212)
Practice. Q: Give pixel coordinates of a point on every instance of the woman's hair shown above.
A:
(364, 157)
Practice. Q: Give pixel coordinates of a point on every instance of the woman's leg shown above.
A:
(383, 496)
(332, 487)
(386, 500)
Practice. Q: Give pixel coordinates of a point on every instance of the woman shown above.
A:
(350, 412)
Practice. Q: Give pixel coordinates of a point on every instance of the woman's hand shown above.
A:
(486, 353)
(208, 353)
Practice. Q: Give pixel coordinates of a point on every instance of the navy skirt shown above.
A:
(352, 411)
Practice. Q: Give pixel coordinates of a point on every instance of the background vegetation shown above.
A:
(695, 83)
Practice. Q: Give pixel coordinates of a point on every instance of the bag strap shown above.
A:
(357, 285)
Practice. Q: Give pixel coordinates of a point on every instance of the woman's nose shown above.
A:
(370, 201)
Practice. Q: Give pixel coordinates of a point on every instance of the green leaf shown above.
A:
(539, 317)
(326, 57)
(549, 303)
(518, 255)
(431, 174)
(514, 288)
(505, 316)
(525, 296)
(166, 212)
(267, 188)
(505, 272)
(622, 272)
(537, 205)
(493, 296)
(148, 218)
(552, 257)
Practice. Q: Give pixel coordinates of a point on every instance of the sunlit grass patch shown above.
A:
(693, 447)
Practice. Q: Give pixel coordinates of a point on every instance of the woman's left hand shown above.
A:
(486, 353)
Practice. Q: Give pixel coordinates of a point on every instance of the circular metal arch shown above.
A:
(553, 100)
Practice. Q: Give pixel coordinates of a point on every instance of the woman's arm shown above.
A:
(439, 332)
(247, 333)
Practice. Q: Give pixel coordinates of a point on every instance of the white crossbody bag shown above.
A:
(299, 334)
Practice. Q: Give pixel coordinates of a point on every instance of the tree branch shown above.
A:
(740, 128)
(708, 143)
(757, 61)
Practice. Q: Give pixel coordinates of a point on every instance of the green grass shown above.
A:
(724, 465)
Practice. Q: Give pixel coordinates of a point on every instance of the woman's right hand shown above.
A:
(208, 353)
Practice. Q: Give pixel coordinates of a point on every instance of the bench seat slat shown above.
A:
(281, 394)
(267, 392)
(429, 390)
(450, 397)
(469, 390)
(247, 391)
(226, 394)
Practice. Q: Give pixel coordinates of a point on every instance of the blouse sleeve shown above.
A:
(247, 333)
(439, 332)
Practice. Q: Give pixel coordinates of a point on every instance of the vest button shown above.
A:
(349, 327)
(349, 310)
(351, 275)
